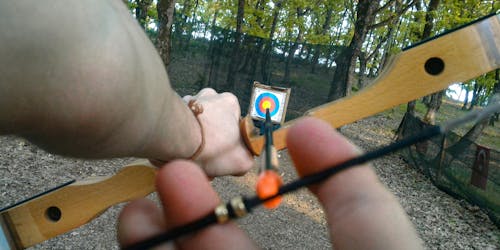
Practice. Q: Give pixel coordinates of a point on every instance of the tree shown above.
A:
(165, 10)
(253, 43)
(300, 12)
(476, 92)
(141, 12)
(496, 96)
(181, 17)
(381, 33)
(467, 86)
(341, 84)
(233, 66)
(482, 88)
(324, 29)
(265, 59)
(210, 65)
(473, 134)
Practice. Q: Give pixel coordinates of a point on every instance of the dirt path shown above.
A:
(442, 222)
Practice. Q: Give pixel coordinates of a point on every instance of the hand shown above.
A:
(224, 152)
(361, 213)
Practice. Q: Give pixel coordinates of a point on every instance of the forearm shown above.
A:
(81, 78)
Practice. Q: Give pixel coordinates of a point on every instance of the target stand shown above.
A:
(268, 97)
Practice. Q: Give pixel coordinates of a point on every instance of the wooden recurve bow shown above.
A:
(423, 69)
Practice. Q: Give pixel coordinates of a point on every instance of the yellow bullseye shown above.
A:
(266, 105)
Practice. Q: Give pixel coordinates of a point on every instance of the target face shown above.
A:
(266, 97)
(267, 101)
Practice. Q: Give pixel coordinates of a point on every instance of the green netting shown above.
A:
(457, 166)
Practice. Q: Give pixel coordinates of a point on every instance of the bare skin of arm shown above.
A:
(81, 78)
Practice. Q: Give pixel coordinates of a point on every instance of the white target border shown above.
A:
(283, 95)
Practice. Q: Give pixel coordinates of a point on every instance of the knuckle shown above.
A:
(187, 98)
(207, 91)
(230, 98)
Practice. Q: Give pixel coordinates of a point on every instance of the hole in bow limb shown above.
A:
(53, 214)
(434, 66)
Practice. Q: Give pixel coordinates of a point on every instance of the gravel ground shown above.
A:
(441, 221)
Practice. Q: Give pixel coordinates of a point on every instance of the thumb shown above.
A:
(361, 213)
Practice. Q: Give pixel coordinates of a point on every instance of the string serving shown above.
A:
(251, 202)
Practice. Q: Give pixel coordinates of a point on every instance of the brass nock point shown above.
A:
(222, 213)
(239, 207)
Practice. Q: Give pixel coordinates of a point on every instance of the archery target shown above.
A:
(267, 101)
(266, 98)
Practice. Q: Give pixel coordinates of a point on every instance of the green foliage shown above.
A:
(405, 19)
(310, 16)
(454, 13)
(153, 13)
(487, 81)
(131, 4)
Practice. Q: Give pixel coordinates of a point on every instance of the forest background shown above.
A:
(322, 49)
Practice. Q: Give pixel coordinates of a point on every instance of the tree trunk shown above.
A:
(248, 46)
(303, 51)
(496, 97)
(341, 84)
(289, 58)
(188, 29)
(429, 18)
(286, 47)
(331, 54)
(466, 100)
(338, 33)
(217, 60)
(233, 66)
(165, 10)
(410, 107)
(433, 106)
(266, 55)
(180, 23)
(362, 68)
(373, 68)
(209, 65)
(475, 95)
(324, 30)
(255, 58)
(254, 46)
(388, 47)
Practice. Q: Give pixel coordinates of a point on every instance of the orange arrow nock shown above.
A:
(268, 184)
